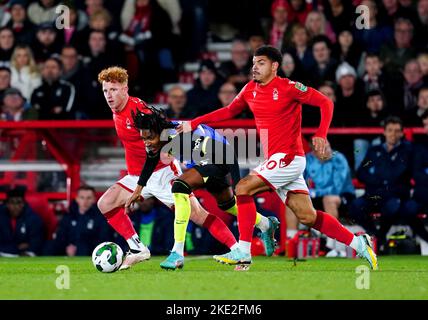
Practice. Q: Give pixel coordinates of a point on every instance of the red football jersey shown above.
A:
(277, 109)
(135, 149)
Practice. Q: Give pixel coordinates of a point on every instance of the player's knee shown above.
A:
(180, 186)
(227, 204)
(305, 213)
(104, 205)
(308, 217)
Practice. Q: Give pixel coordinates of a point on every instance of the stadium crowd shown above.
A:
(377, 76)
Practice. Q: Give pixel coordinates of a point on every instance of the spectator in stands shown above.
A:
(397, 53)
(55, 98)
(5, 80)
(81, 229)
(422, 9)
(325, 66)
(21, 26)
(386, 172)
(349, 96)
(330, 186)
(419, 202)
(376, 110)
(46, 42)
(346, 50)
(291, 69)
(226, 94)
(25, 74)
(237, 70)
(78, 20)
(280, 28)
(203, 97)
(177, 104)
(413, 117)
(327, 88)
(317, 25)
(98, 57)
(21, 229)
(7, 43)
(4, 14)
(299, 47)
(373, 37)
(339, 13)
(423, 64)
(298, 11)
(15, 108)
(413, 82)
(374, 115)
(147, 31)
(89, 98)
(42, 11)
(100, 21)
(329, 179)
(255, 40)
(93, 6)
(374, 77)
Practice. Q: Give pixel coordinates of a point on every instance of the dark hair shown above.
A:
(371, 55)
(393, 120)
(272, 53)
(15, 193)
(373, 93)
(321, 38)
(55, 57)
(3, 68)
(86, 187)
(151, 119)
(327, 83)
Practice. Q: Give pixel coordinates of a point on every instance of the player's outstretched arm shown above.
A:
(149, 167)
(228, 112)
(315, 98)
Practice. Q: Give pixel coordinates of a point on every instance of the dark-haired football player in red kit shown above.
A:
(276, 105)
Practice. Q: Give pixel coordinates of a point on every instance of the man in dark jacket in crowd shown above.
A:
(55, 98)
(82, 229)
(386, 172)
(419, 202)
(21, 229)
(203, 97)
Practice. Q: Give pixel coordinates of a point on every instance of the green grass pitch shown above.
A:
(399, 277)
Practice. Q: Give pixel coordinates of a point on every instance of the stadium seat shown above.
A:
(40, 204)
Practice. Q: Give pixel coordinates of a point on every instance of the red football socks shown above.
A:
(219, 230)
(246, 217)
(332, 228)
(120, 222)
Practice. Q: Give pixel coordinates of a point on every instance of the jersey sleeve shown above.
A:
(149, 167)
(312, 97)
(234, 108)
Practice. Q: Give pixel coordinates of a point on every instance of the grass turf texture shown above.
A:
(399, 277)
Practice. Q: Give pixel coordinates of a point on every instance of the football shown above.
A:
(107, 257)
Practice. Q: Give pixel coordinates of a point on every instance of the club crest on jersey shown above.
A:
(301, 87)
(128, 124)
(275, 94)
